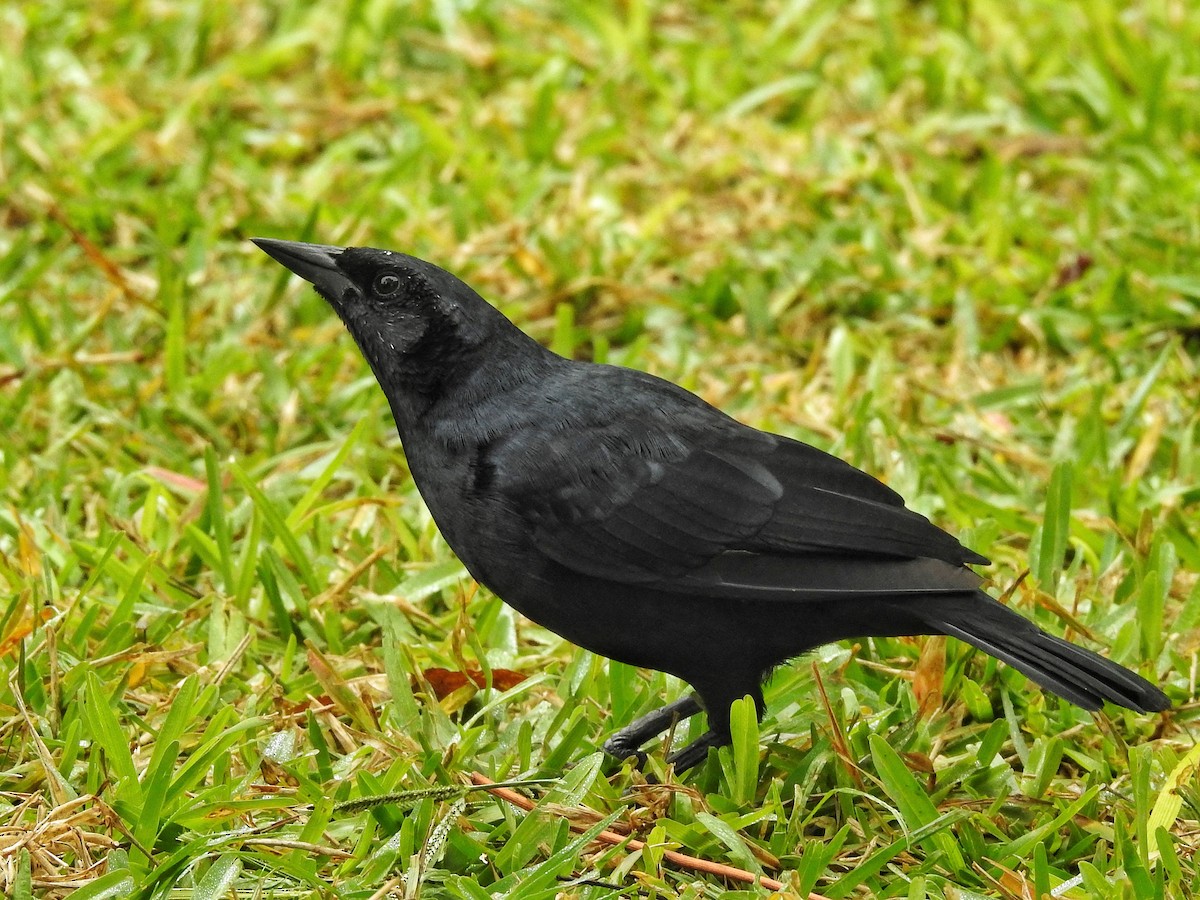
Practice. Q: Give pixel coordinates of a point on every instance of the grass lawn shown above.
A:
(954, 243)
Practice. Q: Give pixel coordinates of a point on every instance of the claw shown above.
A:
(628, 741)
(616, 748)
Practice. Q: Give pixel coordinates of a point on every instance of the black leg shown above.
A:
(697, 751)
(717, 702)
(628, 741)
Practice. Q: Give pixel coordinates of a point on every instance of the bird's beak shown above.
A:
(312, 262)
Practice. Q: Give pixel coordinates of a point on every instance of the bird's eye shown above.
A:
(386, 284)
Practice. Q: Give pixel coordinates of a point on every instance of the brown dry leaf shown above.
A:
(275, 774)
(919, 762)
(445, 681)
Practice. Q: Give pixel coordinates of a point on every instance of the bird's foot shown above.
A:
(628, 741)
(622, 750)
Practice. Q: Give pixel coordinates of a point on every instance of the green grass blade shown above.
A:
(279, 527)
(912, 801)
(300, 510)
(1056, 524)
(106, 731)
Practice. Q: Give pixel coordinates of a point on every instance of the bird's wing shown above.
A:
(607, 503)
(830, 505)
(652, 498)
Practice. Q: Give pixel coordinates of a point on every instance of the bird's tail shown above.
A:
(1076, 674)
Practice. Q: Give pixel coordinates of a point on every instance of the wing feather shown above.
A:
(674, 484)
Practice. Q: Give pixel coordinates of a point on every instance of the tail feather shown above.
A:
(1078, 675)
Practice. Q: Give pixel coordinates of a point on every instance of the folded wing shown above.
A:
(655, 498)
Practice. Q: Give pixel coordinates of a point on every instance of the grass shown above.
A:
(955, 244)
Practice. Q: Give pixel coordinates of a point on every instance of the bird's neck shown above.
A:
(428, 396)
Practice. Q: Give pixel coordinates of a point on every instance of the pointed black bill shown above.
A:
(312, 262)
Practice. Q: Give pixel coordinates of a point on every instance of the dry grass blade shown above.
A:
(682, 860)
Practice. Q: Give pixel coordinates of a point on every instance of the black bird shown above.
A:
(632, 518)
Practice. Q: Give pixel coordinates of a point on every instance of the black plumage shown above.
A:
(626, 514)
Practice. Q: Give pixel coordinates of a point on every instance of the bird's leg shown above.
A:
(717, 701)
(697, 751)
(628, 741)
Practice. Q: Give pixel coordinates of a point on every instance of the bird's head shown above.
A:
(409, 318)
